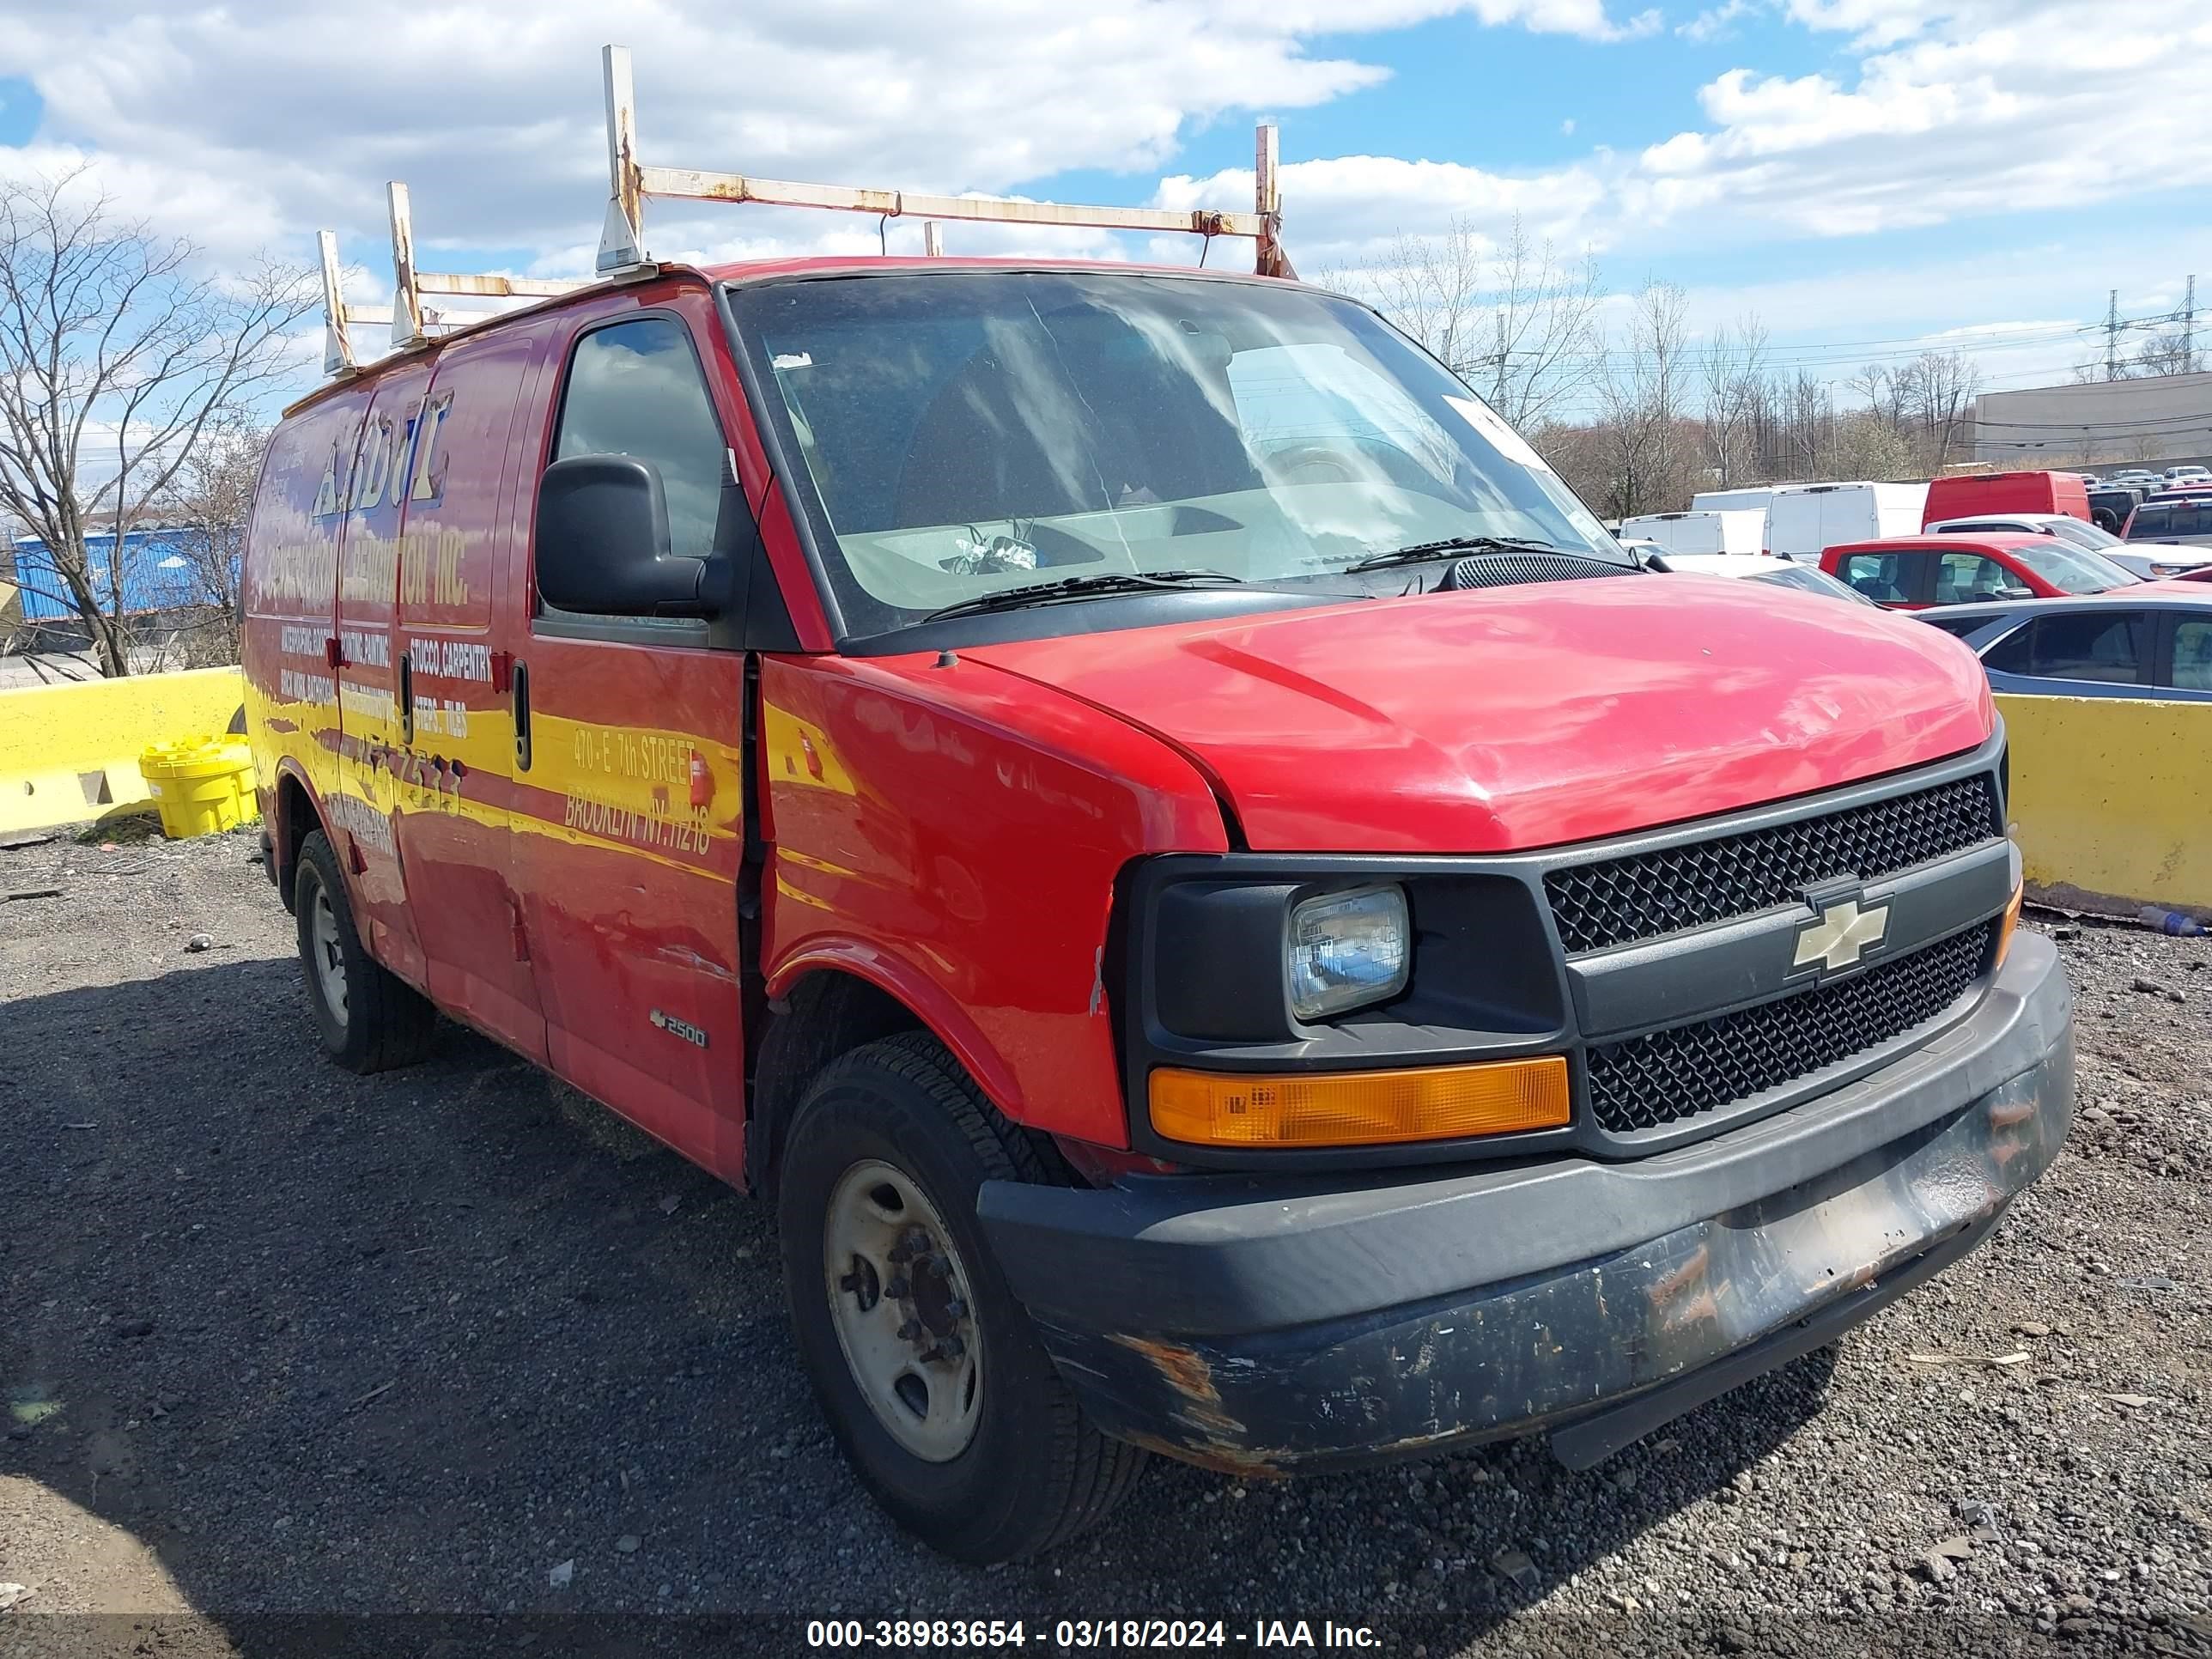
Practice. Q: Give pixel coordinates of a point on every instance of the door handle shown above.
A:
(521, 693)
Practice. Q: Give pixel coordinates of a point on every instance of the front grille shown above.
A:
(1616, 901)
(1666, 1076)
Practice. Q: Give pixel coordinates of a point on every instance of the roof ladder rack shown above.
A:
(630, 182)
(412, 322)
(339, 359)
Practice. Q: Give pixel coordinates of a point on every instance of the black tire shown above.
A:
(386, 1022)
(1036, 1473)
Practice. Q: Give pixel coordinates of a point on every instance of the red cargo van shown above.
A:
(1224, 915)
(1966, 495)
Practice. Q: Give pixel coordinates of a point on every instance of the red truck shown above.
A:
(1226, 916)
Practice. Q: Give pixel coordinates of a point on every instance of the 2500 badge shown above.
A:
(675, 1027)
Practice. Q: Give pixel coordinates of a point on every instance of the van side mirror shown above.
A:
(603, 545)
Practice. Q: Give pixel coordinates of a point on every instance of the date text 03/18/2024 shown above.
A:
(1073, 1635)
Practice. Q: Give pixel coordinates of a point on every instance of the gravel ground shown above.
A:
(276, 1340)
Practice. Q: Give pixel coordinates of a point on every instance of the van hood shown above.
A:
(1500, 720)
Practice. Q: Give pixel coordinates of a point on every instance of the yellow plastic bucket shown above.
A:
(203, 786)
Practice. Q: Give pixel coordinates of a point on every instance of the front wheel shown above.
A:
(932, 1380)
(370, 1019)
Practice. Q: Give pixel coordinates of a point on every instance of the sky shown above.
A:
(1868, 177)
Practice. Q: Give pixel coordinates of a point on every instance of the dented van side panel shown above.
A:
(629, 819)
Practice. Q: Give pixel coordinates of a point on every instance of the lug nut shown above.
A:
(897, 1286)
(955, 1309)
(952, 1348)
(901, 1253)
(910, 1331)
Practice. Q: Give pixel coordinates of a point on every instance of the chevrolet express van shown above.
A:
(1223, 914)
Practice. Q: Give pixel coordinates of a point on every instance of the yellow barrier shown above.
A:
(2111, 797)
(69, 753)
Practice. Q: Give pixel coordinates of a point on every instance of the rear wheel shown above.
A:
(926, 1366)
(370, 1019)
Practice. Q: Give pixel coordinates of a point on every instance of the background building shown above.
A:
(2158, 419)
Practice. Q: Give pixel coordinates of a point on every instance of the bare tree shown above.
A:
(1735, 365)
(117, 356)
(1807, 419)
(1511, 317)
(1935, 392)
(205, 520)
(1645, 396)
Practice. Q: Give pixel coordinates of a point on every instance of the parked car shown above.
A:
(2079, 532)
(1278, 957)
(2144, 643)
(1908, 573)
(1734, 532)
(2188, 474)
(1981, 495)
(2179, 519)
(1758, 567)
(1804, 522)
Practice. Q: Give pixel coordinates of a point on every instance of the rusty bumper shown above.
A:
(1269, 1326)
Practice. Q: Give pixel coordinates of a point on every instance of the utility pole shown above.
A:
(2189, 327)
(2112, 336)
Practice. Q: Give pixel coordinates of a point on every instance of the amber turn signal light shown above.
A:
(2008, 922)
(1354, 1109)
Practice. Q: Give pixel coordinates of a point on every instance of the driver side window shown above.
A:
(634, 388)
(1964, 578)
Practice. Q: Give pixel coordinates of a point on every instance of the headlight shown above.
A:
(1347, 950)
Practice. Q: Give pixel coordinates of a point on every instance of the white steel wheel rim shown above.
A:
(900, 1303)
(327, 953)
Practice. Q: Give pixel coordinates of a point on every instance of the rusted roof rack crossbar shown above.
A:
(631, 182)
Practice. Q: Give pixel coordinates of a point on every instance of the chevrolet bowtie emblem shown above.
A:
(1842, 932)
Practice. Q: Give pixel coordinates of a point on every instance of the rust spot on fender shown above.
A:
(2003, 1114)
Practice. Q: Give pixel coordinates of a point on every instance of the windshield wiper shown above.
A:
(1420, 550)
(1080, 587)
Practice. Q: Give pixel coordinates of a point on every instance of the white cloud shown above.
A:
(249, 127)
(249, 123)
(1714, 23)
(1348, 207)
(1957, 110)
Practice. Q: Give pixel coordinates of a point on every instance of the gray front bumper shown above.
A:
(1266, 1325)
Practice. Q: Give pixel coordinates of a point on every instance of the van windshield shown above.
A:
(964, 432)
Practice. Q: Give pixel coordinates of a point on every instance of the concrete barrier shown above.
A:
(69, 754)
(2111, 797)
